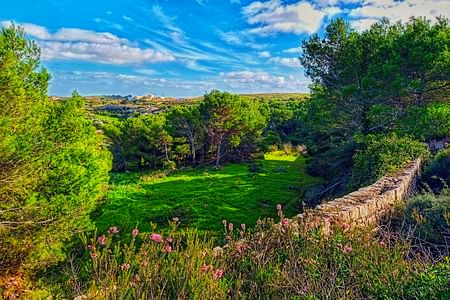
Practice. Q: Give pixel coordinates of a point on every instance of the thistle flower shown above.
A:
(102, 240)
(218, 273)
(135, 232)
(124, 266)
(156, 237)
(113, 230)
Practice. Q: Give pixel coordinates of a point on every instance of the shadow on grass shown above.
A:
(202, 198)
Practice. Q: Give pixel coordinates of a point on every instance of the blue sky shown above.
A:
(187, 47)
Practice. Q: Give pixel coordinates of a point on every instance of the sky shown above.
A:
(185, 48)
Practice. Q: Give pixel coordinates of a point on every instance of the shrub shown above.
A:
(437, 172)
(431, 214)
(382, 154)
(275, 261)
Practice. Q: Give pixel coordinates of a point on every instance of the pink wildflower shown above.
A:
(113, 230)
(102, 240)
(124, 266)
(243, 226)
(169, 240)
(89, 247)
(228, 238)
(241, 233)
(224, 222)
(347, 249)
(278, 207)
(240, 247)
(218, 273)
(285, 222)
(382, 244)
(93, 254)
(168, 248)
(156, 237)
(205, 268)
(345, 227)
(230, 227)
(135, 232)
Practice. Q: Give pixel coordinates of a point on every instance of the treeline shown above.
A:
(220, 127)
(377, 97)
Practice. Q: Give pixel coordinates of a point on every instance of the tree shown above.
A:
(226, 119)
(53, 167)
(184, 121)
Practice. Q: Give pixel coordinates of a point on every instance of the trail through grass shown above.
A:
(202, 198)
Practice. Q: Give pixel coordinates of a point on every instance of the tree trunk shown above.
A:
(219, 148)
(193, 151)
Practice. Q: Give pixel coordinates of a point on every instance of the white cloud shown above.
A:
(239, 39)
(398, 10)
(286, 61)
(127, 18)
(324, 3)
(273, 17)
(118, 54)
(295, 50)
(249, 81)
(362, 24)
(87, 45)
(264, 54)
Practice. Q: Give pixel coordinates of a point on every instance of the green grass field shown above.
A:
(202, 198)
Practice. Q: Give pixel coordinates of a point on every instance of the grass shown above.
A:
(202, 198)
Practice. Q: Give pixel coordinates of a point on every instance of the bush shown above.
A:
(431, 214)
(382, 154)
(437, 172)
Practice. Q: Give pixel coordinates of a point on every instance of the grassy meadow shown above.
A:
(202, 198)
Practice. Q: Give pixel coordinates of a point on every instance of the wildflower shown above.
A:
(240, 247)
(224, 222)
(218, 273)
(230, 227)
(156, 237)
(175, 219)
(93, 254)
(217, 251)
(228, 238)
(278, 207)
(135, 232)
(382, 244)
(89, 247)
(125, 266)
(347, 249)
(285, 222)
(345, 227)
(241, 233)
(205, 268)
(102, 240)
(168, 248)
(113, 230)
(243, 226)
(169, 240)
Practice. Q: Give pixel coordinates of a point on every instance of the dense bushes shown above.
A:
(275, 261)
(381, 154)
(53, 166)
(436, 175)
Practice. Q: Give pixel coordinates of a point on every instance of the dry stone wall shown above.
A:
(368, 204)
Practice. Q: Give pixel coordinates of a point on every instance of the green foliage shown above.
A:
(228, 120)
(436, 174)
(427, 122)
(52, 165)
(432, 215)
(382, 154)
